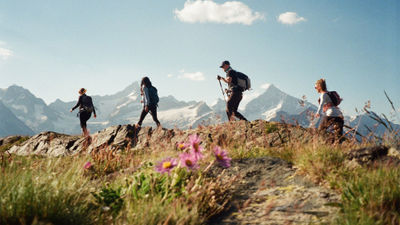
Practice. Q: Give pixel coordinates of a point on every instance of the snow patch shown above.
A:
(248, 97)
(265, 86)
(20, 108)
(272, 113)
(39, 113)
(133, 95)
(104, 123)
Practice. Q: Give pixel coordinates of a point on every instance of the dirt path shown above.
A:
(269, 192)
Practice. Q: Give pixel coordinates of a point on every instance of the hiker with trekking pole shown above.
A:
(237, 84)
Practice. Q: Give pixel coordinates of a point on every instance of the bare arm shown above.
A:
(226, 80)
(322, 102)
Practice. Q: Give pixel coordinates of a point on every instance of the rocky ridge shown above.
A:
(255, 134)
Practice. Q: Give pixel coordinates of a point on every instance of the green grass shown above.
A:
(48, 190)
(36, 189)
(123, 188)
(371, 196)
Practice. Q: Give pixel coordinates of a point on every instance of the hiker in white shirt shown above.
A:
(330, 114)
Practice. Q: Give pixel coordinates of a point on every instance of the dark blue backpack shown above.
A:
(153, 95)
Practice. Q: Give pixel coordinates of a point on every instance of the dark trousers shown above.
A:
(84, 116)
(153, 112)
(233, 104)
(335, 122)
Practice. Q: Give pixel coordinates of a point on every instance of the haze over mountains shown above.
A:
(24, 113)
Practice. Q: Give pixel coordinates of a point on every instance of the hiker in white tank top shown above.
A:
(326, 107)
(329, 112)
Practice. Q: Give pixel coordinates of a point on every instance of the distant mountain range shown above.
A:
(24, 113)
(10, 124)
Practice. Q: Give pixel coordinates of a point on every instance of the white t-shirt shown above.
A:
(333, 111)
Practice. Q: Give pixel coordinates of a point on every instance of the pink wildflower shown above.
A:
(166, 165)
(222, 157)
(189, 161)
(181, 145)
(196, 148)
(87, 165)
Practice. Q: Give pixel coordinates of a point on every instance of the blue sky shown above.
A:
(53, 48)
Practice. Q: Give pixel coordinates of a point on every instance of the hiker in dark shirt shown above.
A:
(149, 100)
(235, 92)
(86, 108)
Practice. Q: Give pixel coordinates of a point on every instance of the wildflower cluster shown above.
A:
(190, 158)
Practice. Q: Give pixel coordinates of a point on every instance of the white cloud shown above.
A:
(290, 18)
(170, 75)
(197, 76)
(203, 11)
(4, 52)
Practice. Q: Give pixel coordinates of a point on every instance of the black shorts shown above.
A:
(84, 117)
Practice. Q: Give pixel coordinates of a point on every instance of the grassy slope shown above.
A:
(123, 188)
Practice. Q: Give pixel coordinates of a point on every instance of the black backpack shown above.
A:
(243, 81)
(335, 97)
(87, 103)
(153, 95)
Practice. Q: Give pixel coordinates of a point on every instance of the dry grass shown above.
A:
(122, 187)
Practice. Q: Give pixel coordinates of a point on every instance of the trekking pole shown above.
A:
(223, 93)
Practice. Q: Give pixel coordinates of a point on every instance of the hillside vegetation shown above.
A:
(232, 173)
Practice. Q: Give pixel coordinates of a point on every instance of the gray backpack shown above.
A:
(243, 81)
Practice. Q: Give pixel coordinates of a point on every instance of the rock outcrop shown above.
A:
(270, 192)
(46, 143)
(9, 141)
(376, 154)
(126, 137)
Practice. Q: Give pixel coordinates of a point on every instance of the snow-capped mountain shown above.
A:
(10, 124)
(275, 105)
(124, 107)
(31, 110)
(364, 124)
(186, 117)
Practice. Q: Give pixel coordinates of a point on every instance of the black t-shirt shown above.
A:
(85, 102)
(233, 85)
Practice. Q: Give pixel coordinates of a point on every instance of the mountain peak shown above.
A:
(16, 88)
(15, 93)
(266, 86)
(217, 102)
(133, 86)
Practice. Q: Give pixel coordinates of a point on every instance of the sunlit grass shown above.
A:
(122, 187)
